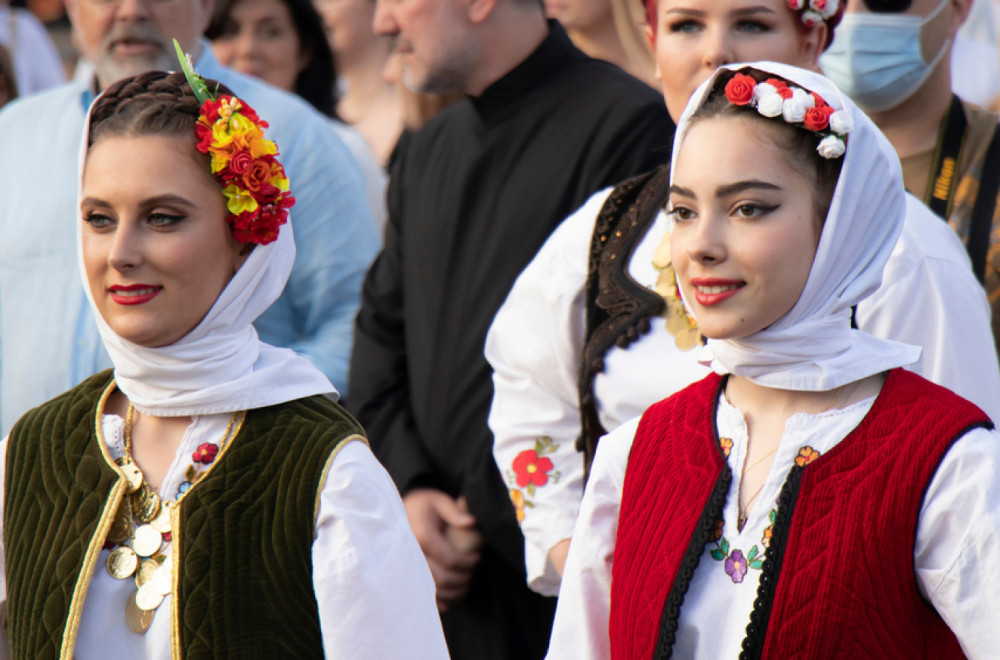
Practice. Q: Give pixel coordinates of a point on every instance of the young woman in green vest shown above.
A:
(809, 498)
(207, 497)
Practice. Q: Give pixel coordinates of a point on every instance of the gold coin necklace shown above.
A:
(141, 530)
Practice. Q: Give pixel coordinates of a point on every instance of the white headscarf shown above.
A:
(812, 347)
(221, 365)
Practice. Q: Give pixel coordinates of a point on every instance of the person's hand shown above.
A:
(447, 534)
(557, 555)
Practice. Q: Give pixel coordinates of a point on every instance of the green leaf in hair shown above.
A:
(197, 83)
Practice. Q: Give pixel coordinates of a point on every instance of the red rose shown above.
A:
(739, 90)
(784, 91)
(820, 101)
(240, 162)
(817, 118)
(256, 175)
(819, 5)
(210, 109)
(204, 134)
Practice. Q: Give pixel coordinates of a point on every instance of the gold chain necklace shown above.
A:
(840, 396)
(141, 529)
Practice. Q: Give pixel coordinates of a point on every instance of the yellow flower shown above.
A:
(240, 200)
(518, 499)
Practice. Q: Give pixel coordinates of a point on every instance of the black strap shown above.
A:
(944, 180)
(978, 243)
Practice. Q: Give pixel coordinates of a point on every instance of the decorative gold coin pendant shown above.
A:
(146, 540)
(146, 504)
(148, 597)
(146, 571)
(121, 526)
(161, 522)
(122, 562)
(133, 475)
(137, 619)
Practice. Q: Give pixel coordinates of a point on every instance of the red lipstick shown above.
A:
(712, 291)
(133, 294)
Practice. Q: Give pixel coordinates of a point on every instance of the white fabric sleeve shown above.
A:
(580, 630)
(957, 539)
(4, 644)
(372, 583)
(534, 348)
(930, 298)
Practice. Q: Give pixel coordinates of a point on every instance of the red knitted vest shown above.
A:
(838, 580)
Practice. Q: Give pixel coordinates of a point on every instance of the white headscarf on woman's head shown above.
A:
(221, 365)
(813, 347)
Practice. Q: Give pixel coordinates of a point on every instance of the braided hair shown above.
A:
(152, 103)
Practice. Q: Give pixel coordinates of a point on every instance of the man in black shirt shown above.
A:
(472, 196)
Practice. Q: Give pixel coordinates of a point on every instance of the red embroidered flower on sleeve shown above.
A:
(205, 453)
(739, 90)
(531, 469)
(806, 456)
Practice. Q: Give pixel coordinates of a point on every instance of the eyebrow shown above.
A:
(727, 189)
(149, 202)
(745, 11)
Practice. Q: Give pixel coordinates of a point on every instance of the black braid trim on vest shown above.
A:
(753, 643)
(710, 516)
(618, 307)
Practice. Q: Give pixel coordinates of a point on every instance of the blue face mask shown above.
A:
(876, 59)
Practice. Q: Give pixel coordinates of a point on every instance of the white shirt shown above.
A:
(372, 584)
(376, 178)
(957, 532)
(36, 61)
(929, 298)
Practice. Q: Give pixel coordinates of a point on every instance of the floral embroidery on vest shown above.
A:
(531, 469)
(201, 458)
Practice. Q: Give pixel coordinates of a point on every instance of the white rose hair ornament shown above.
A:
(813, 346)
(814, 12)
(774, 97)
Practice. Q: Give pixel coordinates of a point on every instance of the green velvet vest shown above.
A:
(242, 534)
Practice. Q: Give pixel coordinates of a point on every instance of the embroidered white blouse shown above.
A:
(929, 298)
(371, 581)
(954, 552)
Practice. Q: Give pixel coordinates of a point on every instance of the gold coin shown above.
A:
(146, 504)
(122, 562)
(161, 522)
(146, 540)
(137, 620)
(162, 582)
(133, 475)
(121, 526)
(147, 568)
(148, 598)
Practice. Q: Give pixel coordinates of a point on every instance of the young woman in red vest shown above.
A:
(809, 498)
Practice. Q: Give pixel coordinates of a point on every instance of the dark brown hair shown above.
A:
(152, 103)
(796, 141)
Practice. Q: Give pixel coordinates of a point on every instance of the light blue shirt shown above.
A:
(48, 339)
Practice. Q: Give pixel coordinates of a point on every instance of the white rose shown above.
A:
(804, 97)
(811, 18)
(760, 90)
(831, 8)
(841, 122)
(770, 105)
(793, 110)
(831, 147)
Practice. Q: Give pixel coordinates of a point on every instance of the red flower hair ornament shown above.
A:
(775, 97)
(245, 162)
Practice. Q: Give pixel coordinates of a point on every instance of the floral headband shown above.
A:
(253, 180)
(815, 12)
(775, 97)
